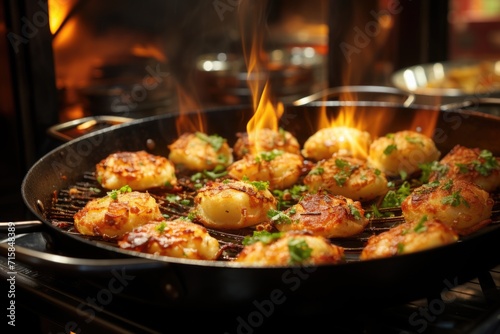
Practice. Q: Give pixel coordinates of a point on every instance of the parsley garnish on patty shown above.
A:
(214, 140)
(261, 236)
(114, 193)
(299, 250)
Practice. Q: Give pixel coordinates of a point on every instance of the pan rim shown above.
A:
(206, 263)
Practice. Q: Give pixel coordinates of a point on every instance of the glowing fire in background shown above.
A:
(78, 53)
(58, 12)
(354, 124)
(266, 113)
(190, 118)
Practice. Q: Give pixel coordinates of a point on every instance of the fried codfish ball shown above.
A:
(116, 214)
(176, 238)
(461, 205)
(199, 152)
(346, 176)
(291, 249)
(402, 152)
(323, 214)
(140, 170)
(233, 204)
(469, 164)
(337, 140)
(409, 237)
(265, 140)
(281, 169)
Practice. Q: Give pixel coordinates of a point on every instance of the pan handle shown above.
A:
(320, 98)
(64, 263)
(475, 102)
(69, 265)
(22, 226)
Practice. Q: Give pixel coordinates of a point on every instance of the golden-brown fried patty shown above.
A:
(337, 140)
(176, 238)
(402, 152)
(199, 151)
(116, 214)
(140, 170)
(409, 237)
(348, 177)
(281, 169)
(291, 249)
(323, 214)
(233, 204)
(462, 205)
(470, 164)
(265, 140)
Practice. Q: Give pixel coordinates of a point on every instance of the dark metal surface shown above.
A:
(87, 302)
(75, 128)
(226, 284)
(359, 93)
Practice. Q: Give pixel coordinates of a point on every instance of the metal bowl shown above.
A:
(358, 94)
(450, 81)
(292, 73)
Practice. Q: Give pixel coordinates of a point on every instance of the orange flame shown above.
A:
(266, 113)
(58, 11)
(148, 50)
(190, 118)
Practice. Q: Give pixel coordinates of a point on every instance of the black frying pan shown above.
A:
(229, 285)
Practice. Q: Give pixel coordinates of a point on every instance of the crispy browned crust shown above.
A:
(408, 237)
(461, 164)
(326, 215)
(277, 253)
(178, 238)
(460, 204)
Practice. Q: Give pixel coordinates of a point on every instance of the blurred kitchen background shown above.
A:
(69, 67)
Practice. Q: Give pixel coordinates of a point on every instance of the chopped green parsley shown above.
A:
(261, 236)
(161, 227)
(260, 185)
(317, 171)
(269, 155)
(414, 140)
(354, 211)
(420, 227)
(427, 169)
(279, 217)
(394, 198)
(455, 199)
(114, 193)
(345, 172)
(299, 250)
(214, 140)
(390, 148)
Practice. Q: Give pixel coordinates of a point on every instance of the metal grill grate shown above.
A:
(68, 201)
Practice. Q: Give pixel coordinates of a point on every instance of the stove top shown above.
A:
(48, 300)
